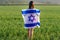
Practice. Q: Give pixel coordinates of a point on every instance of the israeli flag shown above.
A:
(31, 18)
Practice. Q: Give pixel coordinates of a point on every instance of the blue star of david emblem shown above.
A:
(31, 18)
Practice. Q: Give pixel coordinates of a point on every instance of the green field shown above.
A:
(12, 25)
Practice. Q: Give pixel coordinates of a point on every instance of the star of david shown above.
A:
(31, 18)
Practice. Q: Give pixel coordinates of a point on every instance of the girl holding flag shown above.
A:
(31, 18)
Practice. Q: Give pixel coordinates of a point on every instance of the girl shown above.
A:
(30, 30)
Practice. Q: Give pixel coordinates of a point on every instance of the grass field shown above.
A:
(12, 25)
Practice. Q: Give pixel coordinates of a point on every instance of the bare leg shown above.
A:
(30, 33)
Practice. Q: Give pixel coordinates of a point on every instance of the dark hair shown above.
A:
(30, 4)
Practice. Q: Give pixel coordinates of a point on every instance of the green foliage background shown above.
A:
(12, 25)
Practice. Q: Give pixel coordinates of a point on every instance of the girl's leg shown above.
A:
(30, 33)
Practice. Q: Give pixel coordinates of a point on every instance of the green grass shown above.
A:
(12, 25)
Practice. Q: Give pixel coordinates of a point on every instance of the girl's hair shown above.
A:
(31, 4)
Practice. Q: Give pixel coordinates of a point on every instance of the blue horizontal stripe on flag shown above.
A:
(32, 25)
(30, 11)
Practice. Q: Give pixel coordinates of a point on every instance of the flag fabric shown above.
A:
(31, 18)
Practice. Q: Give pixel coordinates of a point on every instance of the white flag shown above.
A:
(31, 18)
